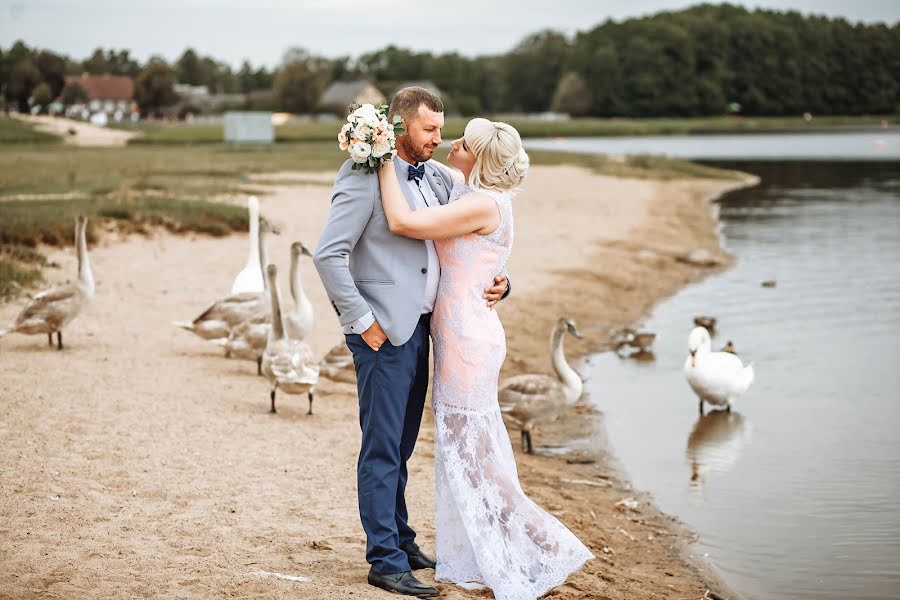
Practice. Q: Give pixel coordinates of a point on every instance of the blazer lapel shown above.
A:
(401, 175)
(437, 184)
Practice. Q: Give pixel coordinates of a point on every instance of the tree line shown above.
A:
(704, 60)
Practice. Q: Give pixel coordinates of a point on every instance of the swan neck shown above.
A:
(277, 324)
(566, 373)
(705, 347)
(262, 258)
(296, 284)
(85, 276)
(253, 251)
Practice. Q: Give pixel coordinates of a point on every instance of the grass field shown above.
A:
(13, 131)
(159, 133)
(199, 172)
(43, 186)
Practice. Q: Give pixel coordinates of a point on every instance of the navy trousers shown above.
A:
(391, 384)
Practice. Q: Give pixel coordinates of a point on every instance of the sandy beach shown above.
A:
(139, 462)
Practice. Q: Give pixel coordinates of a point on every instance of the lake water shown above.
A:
(874, 144)
(796, 492)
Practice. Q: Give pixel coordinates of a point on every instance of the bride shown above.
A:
(489, 533)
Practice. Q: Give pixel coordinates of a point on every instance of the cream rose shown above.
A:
(380, 149)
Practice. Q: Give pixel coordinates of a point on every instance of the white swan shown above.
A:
(719, 378)
(51, 310)
(287, 363)
(248, 339)
(532, 399)
(299, 321)
(223, 316)
(250, 279)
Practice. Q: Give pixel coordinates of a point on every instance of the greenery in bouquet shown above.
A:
(369, 137)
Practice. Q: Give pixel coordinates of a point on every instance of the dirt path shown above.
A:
(138, 461)
(85, 134)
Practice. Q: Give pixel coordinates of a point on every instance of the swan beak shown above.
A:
(305, 251)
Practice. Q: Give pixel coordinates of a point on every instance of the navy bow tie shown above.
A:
(416, 173)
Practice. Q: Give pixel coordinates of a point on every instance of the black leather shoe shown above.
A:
(402, 583)
(417, 558)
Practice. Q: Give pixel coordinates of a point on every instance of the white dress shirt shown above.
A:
(424, 196)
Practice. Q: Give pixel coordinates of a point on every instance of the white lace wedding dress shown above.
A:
(488, 531)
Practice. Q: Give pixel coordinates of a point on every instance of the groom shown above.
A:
(383, 287)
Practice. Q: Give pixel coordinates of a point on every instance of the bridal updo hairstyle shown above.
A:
(500, 159)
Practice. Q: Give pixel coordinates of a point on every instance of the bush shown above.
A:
(468, 106)
(42, 96)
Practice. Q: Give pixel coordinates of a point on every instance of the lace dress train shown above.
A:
(488, 531)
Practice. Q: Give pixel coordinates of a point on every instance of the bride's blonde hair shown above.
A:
(500, 160)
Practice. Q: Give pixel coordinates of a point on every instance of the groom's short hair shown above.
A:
(406, 103)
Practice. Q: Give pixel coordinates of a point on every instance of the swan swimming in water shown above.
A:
(719, 378)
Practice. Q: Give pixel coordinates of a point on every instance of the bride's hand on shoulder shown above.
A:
(387, 166)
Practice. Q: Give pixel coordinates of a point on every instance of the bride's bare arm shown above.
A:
(471, 213)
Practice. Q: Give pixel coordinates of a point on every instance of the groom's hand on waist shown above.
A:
(374, 336)
(494, 293)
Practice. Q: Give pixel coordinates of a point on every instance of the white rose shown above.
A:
(360, 151)
(365, 111)
(363, 131)
(380, 149)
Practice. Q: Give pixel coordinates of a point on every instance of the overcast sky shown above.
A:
(260, 30)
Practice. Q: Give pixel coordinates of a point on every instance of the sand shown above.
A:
(78, 133)
(138, 462)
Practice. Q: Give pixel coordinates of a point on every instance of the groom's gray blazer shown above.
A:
(363, 266)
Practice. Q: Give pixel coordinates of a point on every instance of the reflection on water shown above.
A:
(715, 444)
(811, 508)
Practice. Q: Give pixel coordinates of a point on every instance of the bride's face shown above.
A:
(461, 156)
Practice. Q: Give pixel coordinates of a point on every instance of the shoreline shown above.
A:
(689, 213)
(152, 470)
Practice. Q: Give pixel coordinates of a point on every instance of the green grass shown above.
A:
(186, 171)
(177, 187)
(326, 131)
(31, 222)
(24, 254)
(14, 278)
(198, 173)
(13, 131)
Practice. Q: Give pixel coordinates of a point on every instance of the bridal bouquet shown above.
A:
(369, 137)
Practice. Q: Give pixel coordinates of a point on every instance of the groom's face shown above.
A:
(423, 135)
